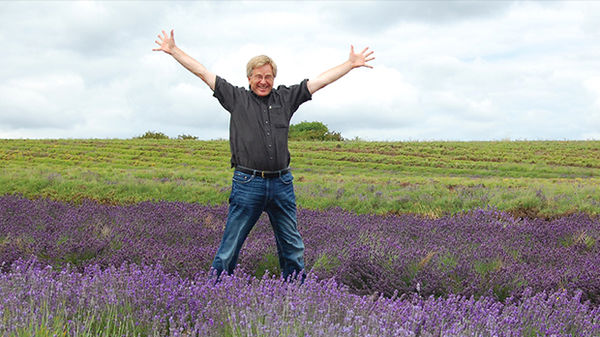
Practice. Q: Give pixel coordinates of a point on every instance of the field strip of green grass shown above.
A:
(528, 178)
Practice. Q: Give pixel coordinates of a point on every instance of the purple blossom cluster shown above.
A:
(478, 253)
(134, 300)
(180, 236)
(481, 252)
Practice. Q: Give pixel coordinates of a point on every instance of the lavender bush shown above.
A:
(482, 252)
(136, 300)
(479, 253)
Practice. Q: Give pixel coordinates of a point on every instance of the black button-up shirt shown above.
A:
(258, 127)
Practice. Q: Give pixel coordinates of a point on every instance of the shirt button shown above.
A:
(267, 122)
(268, 133)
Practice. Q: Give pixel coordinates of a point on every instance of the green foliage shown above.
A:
(187, 137)
(268, 263)
(313, 131)
(110, 320)
(326, 263)
(160, 135)
(582, 241)
(484, 268)
(152, 135)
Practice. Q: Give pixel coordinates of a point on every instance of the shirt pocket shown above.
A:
(278, 116)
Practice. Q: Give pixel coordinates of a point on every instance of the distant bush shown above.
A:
(186, 137)
(152, 135)
(313, 131)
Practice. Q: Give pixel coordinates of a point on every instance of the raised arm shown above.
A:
(167, 44)
(355, 60)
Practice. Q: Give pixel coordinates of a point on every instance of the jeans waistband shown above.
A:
(260, 173)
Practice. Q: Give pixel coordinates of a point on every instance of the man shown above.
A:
(258, 138)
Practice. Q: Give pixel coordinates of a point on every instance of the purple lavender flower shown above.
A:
(477, 253)
(148, 301)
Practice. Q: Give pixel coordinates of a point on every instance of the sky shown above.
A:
(444, 70)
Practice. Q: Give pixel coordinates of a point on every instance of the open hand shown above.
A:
(166, 43)
(360, 59)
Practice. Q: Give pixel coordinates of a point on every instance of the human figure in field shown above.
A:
(258, 138)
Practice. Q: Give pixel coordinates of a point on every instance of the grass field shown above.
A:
(526, 178)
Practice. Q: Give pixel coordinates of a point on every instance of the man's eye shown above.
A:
(260, 77)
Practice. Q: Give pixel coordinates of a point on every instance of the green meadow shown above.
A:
(526, 178)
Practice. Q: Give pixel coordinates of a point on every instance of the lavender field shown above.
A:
(92, 269)
(115, 238)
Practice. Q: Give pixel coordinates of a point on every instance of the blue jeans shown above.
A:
(250, 196)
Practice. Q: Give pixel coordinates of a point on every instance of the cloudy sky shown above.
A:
(448, 70)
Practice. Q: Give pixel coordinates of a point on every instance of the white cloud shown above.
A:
(34, 102)
(592, 116)
(372, 98)
(443, 70)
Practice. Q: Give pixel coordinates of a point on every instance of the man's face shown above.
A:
(261, 81)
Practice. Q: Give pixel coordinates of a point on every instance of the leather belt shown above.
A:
(262, 174)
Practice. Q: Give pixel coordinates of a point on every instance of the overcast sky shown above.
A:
(451, 70)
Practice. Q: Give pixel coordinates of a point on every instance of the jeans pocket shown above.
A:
(242, 178)
(287, 178)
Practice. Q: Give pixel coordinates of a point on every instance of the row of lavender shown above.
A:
(479, 253)
(137, 300)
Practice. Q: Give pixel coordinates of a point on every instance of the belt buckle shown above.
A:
(262, 173)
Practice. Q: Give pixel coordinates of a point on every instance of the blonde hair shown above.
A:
(259, 61)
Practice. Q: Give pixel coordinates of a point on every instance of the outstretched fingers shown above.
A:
(159, 43)
(368, 54)
(361, 59)
(165, 42)
(367, 58)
